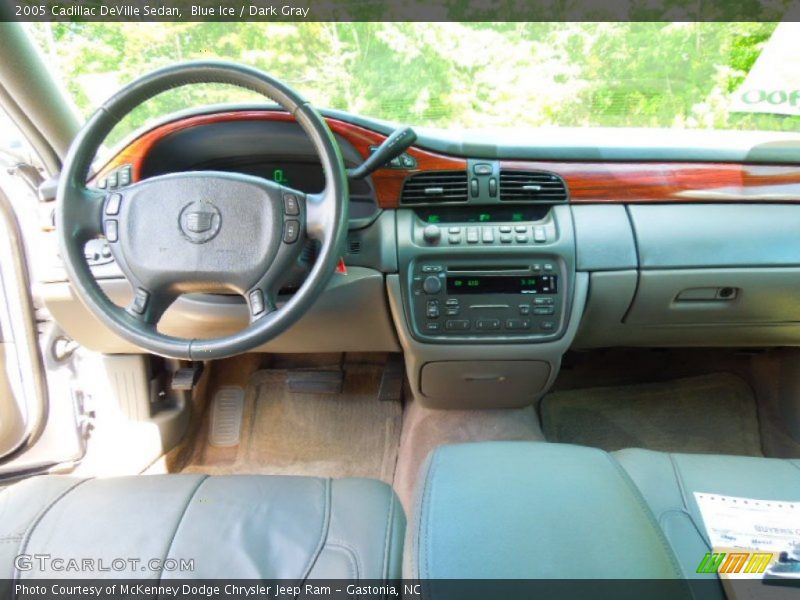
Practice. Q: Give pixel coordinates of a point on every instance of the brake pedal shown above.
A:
(226, 417)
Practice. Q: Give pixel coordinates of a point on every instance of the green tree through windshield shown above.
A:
(673, 75)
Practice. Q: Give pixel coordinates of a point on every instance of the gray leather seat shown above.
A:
(549, 511)
(230, 526)
(668, 482)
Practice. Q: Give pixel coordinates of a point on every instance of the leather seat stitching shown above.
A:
(648, 514)
(351, 553)
(180, 520)
(323, 534)
(685, 499)
(679, 511)
(417, 541)
(427, 502)
(26, 538)
(679, 481)
(388, 534)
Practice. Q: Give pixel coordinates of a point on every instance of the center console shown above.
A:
(487, 281)
(486, 300)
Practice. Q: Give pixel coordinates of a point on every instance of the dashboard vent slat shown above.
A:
(435, 186)
(532, 186)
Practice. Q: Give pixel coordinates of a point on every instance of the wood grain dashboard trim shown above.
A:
(655, 182)
(589, 182)
(388, 183)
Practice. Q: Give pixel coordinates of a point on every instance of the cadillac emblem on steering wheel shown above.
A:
(200, 221)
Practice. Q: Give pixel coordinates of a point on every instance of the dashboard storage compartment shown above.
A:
(484, 383)
(716, 297)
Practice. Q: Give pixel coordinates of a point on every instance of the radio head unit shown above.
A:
(459, 302)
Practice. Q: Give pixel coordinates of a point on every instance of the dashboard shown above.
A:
(484, 262)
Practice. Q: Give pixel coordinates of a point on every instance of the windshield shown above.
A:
(475, 75)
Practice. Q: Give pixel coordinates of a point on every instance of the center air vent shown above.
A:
(531, 186)
(435, 186)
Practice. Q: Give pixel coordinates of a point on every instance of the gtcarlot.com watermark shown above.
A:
(55, 564)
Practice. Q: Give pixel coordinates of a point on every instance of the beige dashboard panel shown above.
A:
(351, 316)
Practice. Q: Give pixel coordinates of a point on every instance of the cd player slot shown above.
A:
(488, 305)
(489, 269)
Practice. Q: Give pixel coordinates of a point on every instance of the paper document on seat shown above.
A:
(765, 525)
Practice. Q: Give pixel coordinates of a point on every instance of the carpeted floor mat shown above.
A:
(351, 434)
(707, 414)
(425, 429)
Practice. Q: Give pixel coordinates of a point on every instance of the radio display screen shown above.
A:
(502, 284)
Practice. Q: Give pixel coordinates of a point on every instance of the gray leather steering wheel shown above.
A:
(201, 231)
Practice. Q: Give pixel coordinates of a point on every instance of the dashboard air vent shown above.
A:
(435, 186)
(531, 186)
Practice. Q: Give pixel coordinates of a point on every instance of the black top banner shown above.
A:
(399, 10)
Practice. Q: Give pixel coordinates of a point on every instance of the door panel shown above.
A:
(23, 392)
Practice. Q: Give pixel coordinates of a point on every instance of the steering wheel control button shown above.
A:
(200, 221)
(125, 176)
(256, 302)
(291, 205)
(112, 230)
(113, 203)
(432, 284)
(291, 231)
(140, 299)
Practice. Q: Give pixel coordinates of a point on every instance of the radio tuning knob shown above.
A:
(431, 285)
(432, 234)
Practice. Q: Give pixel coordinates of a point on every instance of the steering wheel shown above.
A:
(201, 231)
